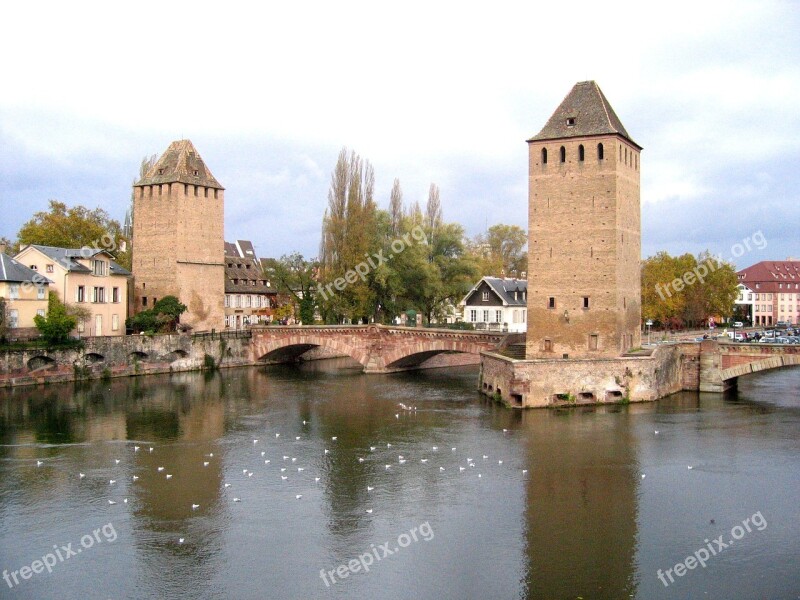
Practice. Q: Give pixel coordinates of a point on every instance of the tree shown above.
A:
(501, 251)
(163, 317)
(4, 319)
(57, 325)
(687, 289)
(74, 227)
(295, 276)
(348, 234)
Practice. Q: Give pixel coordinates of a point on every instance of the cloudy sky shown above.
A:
(428, 92)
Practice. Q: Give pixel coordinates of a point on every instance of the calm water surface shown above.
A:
(605, 503)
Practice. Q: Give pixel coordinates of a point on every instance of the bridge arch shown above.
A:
(291, 349)
(414, 353)
(773, 362)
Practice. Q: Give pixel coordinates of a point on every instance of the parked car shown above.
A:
(782, 325)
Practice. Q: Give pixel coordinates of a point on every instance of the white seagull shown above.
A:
(111, 502)
(195, 506)
(169, 476)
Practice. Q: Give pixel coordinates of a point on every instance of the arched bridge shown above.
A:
(722, 364)
(743, 359)
(379, 348)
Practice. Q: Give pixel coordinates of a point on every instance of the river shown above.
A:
(288, 482)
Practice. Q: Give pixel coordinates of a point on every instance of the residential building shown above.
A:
(249, 297)
(88, 278)
(497, 304)
(776, 288)
(746, 299)
(178, 246)
(584, 232)
(24, 292)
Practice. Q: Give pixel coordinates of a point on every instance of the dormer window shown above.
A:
(570, 121)
(485, 296)
(195, 172)
(161, 171)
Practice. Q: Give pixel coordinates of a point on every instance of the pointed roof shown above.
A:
(180, 163)
(13, 271)
(585, 111)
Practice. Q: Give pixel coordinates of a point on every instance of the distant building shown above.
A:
(24, 291)
(776, 288)
(86, 277)
(497, 304)
(746, 299)
(584, 232)
(249, 296)
(178, 245)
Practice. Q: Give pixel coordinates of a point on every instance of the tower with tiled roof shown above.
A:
(178, 243)
(584, 245)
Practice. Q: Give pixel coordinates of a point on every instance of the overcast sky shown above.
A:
(428, 92)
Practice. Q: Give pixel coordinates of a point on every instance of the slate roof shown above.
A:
(770, 274)
(504, 289)
(241, 248)
(245, 271)
(66, 258)
(585, 111)
(13, 271)
(180, 163)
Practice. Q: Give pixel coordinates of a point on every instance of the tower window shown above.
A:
(580, 153)
(570, 121)
(586, 302)
(551, 302)
(593, 341)
(599, 151)
(563, 154)
(544, 156)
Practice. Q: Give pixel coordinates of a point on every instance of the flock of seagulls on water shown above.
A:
(289, 464)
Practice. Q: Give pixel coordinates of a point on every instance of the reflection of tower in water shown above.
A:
(581, 504)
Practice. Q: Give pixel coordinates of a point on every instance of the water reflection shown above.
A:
(581, 522)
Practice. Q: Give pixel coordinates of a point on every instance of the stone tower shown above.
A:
(584, 240)
(178, 241)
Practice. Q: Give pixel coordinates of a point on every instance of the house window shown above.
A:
(599, 151)
(593, 341)
(580, 153)
(13, 291)
(99, 267)
(144, 300)
(114, 322)
(13, 318)
(40, 312)
(551, 302)
(80, 294)
(49, 268)
(586, 302)
(473, 315)
(486, 316)
(115, 294)
(570, 121)
(227, 300)
(40, 292)
(498, 316)
(485, 296)
(98, 295)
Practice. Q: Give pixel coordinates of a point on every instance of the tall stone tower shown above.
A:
(178, 238)
(584, 245)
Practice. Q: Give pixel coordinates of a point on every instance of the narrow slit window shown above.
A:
(563, 154)
(586, 302)
(580, 153)
(599, 151)
(551, 302)
(544, 156)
